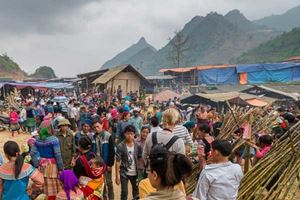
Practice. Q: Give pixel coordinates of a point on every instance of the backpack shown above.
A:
(154, 142)
(168, 145)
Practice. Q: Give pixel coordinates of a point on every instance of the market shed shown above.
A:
(125, 76)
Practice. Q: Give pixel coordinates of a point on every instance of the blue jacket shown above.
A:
(104, 146)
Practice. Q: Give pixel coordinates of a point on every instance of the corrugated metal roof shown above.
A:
(163, 77)
(204, 67)
(182, 69)
(199, 67)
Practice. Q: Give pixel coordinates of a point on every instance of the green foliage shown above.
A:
(7, 64)
(44, 72)
(276, 50)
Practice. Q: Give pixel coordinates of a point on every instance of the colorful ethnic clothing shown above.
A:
(9, 184)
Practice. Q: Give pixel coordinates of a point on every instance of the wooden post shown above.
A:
(247, 158)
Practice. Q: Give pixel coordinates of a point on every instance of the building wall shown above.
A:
(129, 81)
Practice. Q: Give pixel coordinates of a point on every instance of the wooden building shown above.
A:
(125, 76)
(88, 78)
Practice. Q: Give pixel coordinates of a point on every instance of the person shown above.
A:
(93, 187)
(265, 143)
(167, 169)
(206, 139)
(128, 154)
(72, 115)
(14, 121)
(157, 114)
(122, 124)
(22, 119)
(86, 131)
(166, 137)
(146, 188)
(182, 132)
(30, 122)
(45, 154)
(15, 175)
(154, 124)
(66, 142)
(104, 146)
(119, 93)
(101, 109)
(113, 123)
(141, 142)
(70, 190)
(221, 179)
(49, 107)
(137, 120)
(202, 116)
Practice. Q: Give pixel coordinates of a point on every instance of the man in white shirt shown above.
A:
(154, 125)
(220, 180)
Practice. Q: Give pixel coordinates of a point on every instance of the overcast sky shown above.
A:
(75, 36)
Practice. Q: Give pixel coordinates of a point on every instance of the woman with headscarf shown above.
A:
(70, 188)
(45, 154)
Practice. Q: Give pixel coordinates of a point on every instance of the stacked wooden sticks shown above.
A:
(276, 176)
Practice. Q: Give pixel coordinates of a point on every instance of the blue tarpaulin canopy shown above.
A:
(242, 68)
(47, 85)
(218, 76)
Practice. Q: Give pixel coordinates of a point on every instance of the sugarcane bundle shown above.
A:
(234, 120)
(275, 176)
(11, 98)
(192, 180)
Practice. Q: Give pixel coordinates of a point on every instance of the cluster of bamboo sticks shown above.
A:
(276, 176)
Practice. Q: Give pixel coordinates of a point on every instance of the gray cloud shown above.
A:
(40, 16)
(75, 36)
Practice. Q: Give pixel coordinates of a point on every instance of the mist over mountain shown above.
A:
(284, 22)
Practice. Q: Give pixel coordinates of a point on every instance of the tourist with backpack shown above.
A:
(166, 137)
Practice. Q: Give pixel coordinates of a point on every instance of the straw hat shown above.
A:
(64, 122)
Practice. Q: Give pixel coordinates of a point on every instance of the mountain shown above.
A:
(284, 22)
(130, 53)
(43, 72)
(213, 39)
(10, 69)
(278, 49)
(236, 18)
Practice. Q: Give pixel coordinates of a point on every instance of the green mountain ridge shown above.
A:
(43, 72)
(10, 69)
(276, 50)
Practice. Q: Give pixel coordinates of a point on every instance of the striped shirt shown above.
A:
(184, 134)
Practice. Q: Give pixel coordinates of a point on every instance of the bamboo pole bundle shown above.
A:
(277, 174)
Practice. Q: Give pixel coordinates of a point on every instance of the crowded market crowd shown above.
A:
(75, 146)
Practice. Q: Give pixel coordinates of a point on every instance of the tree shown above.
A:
(179, 45)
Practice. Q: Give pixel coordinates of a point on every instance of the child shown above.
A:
(14, 121)
(26, 153)
(127, 156)
(70, 187)
(265, 143)
(93, 188)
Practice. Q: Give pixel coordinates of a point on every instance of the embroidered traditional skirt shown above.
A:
(49, 169)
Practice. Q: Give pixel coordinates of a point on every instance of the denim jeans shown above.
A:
(124, 186)
(108, 188)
